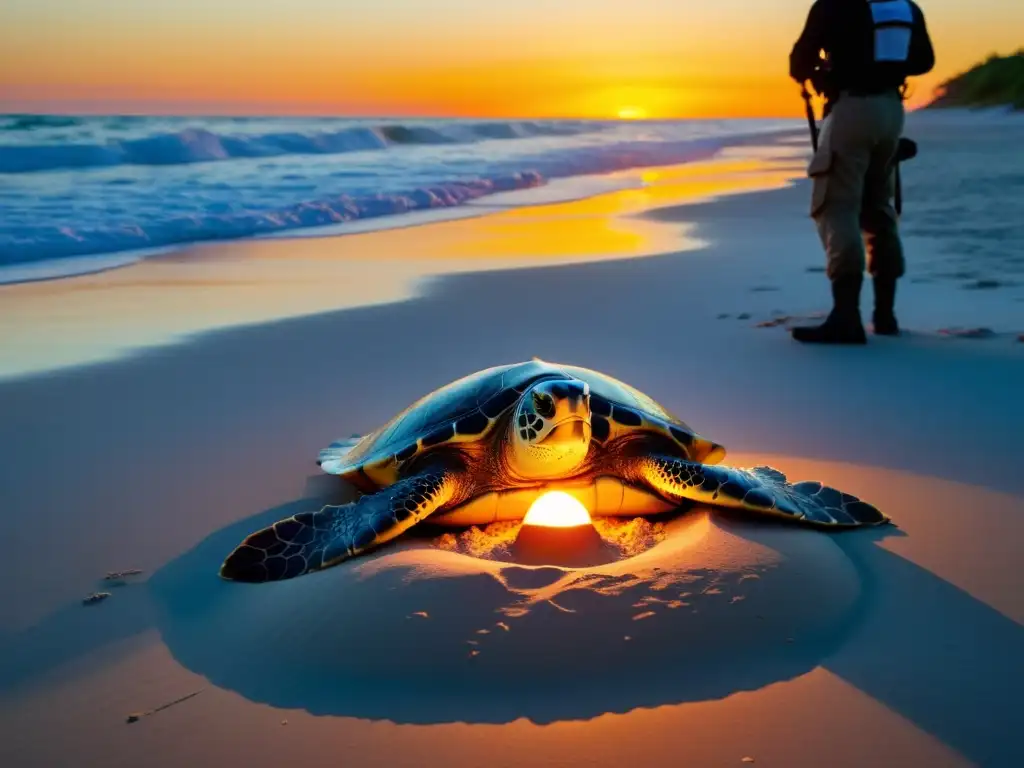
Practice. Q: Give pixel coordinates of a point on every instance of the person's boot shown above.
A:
(884, 319)
(843, 325)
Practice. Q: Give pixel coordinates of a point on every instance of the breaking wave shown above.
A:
(199, 145)
(62, 242)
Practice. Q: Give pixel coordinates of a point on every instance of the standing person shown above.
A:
(859, 53)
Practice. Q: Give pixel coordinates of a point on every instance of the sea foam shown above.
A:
(75, 187)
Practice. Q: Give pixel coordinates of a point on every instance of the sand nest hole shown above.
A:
(603, 540)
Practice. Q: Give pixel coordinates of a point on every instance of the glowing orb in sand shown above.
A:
(557, 530)
(557, 509)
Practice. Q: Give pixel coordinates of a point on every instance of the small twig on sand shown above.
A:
(136, 716)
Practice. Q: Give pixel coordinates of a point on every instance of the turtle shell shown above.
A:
(467, 410)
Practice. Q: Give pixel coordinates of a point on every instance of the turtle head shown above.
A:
(550, 430)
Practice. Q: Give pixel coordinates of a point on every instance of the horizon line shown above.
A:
(5, 113)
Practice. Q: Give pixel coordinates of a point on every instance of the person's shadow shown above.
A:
(914, 642)
(937, 656)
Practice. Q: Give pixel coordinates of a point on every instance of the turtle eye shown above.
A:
(544, 405)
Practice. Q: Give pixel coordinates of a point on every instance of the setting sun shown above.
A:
(557, 509)
(632, 113)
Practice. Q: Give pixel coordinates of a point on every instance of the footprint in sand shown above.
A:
(982, 285)
(783, 319)
(774, 322)
(968, 333)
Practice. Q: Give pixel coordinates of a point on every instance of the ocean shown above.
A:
(78, 194)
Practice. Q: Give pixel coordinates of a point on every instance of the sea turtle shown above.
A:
(458, 452)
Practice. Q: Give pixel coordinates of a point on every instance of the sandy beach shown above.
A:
(154, 415)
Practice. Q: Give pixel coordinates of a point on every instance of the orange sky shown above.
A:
(598, 58)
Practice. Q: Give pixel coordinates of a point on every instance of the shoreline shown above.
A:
(89, 319)
(357, 173)
(573, 188)
(60, 324)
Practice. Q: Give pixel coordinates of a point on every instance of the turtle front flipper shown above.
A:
(312, 541)
(761, 490)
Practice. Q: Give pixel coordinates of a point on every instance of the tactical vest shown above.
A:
(893, 22)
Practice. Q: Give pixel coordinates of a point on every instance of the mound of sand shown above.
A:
(422, 633)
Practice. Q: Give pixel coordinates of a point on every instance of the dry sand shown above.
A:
(900, 646)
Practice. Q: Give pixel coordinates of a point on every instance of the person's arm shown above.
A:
(922, 56)
(806, 53)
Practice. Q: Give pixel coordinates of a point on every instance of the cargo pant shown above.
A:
(853, 175)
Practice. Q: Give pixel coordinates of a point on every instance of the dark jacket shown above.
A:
(867, 46)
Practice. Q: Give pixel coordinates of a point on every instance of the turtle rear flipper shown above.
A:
(331, 457)
(311, 541)
(761, 490)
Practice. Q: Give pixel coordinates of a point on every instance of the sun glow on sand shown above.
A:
(557, 509)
